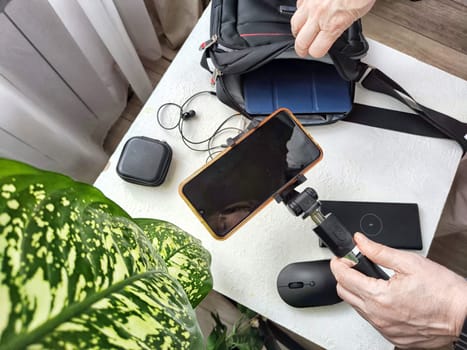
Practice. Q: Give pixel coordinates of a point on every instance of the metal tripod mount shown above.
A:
(328, 227)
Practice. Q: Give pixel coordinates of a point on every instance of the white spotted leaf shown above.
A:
(186, 259)
(77, 272)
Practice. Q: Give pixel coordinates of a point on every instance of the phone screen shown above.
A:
(239, 182)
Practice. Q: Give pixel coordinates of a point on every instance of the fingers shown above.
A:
(306, 37)
(298, 20)
(354, 282)
(314, 29)
(310, 38)
(388, 257)
(322, 43)
(349, 297)
(323, 22)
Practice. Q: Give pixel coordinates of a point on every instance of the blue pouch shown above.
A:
(303, 86)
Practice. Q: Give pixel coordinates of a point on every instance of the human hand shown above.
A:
(422, 305)
(318, 23)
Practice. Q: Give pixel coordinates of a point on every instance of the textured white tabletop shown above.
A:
(360, 163)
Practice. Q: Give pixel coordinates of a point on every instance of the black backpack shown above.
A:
(248, 34)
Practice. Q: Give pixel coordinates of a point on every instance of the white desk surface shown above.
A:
(360, 163)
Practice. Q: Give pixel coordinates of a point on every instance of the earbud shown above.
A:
(188, 115)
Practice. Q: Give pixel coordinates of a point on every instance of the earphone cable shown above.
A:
(183, 116)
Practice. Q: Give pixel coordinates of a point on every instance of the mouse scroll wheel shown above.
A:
(296, 285)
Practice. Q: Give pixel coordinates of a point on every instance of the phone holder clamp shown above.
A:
(231, 141)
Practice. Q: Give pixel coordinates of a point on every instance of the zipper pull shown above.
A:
(217, 73)
(208, 43)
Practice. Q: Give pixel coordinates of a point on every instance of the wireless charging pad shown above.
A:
(396, 225)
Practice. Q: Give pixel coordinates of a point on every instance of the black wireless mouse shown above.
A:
(309, 283)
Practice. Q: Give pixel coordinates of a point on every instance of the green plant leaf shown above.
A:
(243, 336)
(217, 339)
(185, 257)
(76, 272)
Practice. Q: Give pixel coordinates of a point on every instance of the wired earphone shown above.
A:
(185, 115)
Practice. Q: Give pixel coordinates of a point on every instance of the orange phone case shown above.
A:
(241, 138)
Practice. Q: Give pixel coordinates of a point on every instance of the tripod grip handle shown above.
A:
(335, 235)
(340, 241)
(367, 267)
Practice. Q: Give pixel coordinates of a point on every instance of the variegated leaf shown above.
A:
(185, 257)
(76, 272)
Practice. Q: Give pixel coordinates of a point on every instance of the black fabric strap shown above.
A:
(204, 60)
(375, 80)
(392, 120)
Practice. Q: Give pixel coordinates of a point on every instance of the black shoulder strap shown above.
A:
(204, 61)
(375, 80)
(392, 120)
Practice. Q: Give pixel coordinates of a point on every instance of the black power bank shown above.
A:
(396, 225)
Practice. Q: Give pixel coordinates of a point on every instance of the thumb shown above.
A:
(381, 254)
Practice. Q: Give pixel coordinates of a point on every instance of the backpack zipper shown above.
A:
(213, 40)
(216, 74)
(233, 104)
(208, 43)
(246, 35)
(225, 48)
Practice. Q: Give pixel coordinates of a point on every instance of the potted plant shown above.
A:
(77, 272)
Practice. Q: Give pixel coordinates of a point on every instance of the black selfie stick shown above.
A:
(331, 231)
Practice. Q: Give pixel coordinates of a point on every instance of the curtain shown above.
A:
(177, 17)
(65, 69)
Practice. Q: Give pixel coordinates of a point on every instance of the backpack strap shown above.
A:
(392, 120)
(204, 61)
(375, 80)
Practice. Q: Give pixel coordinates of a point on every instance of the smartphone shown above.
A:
(238, 183)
